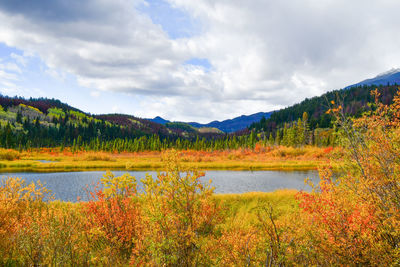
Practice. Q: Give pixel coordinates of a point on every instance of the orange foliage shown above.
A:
(328, 150)
(357, 218)
(341, 225)
(115, 219)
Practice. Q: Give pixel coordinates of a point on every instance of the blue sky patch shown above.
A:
(175, 22)
(203, 62)
(6, 51)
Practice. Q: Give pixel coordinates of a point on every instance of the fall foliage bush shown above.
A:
(355, 220)
(292, 152)
(114, 221)
(98, 157)
(9, 154)
(181, 215)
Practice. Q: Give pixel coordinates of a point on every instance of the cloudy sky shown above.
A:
(192, 60)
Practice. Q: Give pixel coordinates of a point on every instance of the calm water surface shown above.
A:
(68, 186)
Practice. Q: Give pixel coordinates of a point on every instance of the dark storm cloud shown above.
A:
(55, 10)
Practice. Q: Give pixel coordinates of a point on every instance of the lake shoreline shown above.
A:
(41, 169)
(70, 186)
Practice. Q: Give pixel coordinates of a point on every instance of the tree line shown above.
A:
(101, 136)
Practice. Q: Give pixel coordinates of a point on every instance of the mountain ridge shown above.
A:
(390, 77)
(228, 125)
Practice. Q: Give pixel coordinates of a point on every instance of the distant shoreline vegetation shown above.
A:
(259, 158)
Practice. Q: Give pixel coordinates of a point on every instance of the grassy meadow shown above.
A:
(262, 158)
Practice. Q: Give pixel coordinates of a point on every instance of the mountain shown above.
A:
(132, 122)
(227, 126)
(391, 77)
(235, 124)
(159, 120)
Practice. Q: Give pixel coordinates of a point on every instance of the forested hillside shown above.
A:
(355, 101)
(41, 122)
(309, 122)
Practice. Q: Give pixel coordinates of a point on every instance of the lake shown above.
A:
(68, 186)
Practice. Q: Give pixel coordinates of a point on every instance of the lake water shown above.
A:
(68, 186)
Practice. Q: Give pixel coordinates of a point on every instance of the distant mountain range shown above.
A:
(235, 124)
(227, 126)
(391, 77)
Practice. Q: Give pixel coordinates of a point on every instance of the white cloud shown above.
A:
(95, 93)
(264, 54)
(56, 74)
(38, 92)
(8, 78)
(263, 46)
(116, 109)
(9, 69)
(8, 89)
(20, 59)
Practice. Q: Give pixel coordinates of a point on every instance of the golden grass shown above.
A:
(243, 208)
(267, 158)
(238, 208)
(98, 157)
(9, 154)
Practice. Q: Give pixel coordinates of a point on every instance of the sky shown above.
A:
(197, 60)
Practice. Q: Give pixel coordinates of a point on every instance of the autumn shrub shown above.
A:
(97, 157)
(355, 219)
(180, 215)
(21, 234)
(66, 242)
(328, 150)
(239, 246)
(259, 148)
(286, 151)
(114, 220)
(11, 209)
(33, 234)
(235, 155)
(340, 226)
(9, 154)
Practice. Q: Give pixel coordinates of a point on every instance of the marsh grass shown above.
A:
(268, 158)
(243, 208)
(9, 154)
(98, 157)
